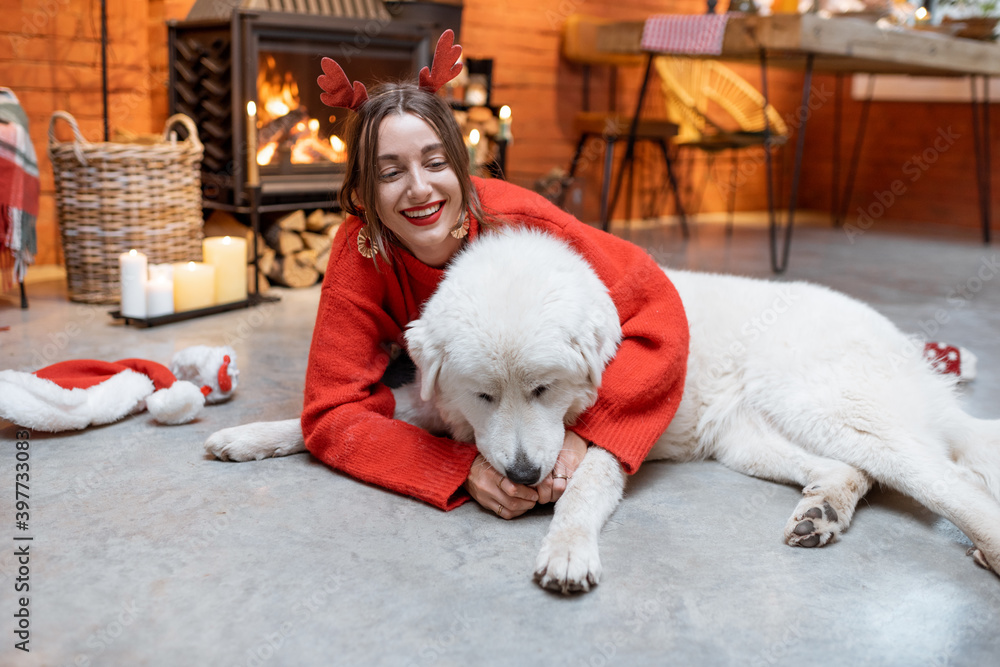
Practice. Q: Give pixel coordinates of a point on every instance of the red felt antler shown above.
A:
(445, 65)
(339, 92)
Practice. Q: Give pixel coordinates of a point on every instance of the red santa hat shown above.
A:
(72, 395)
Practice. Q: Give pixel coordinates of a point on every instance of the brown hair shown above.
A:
(358, 194)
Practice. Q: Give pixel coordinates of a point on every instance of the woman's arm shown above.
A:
(347, 413)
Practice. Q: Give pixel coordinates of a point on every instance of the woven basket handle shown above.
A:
(187, 123)
(80, 141)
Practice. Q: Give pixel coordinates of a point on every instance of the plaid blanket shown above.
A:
(18, 191)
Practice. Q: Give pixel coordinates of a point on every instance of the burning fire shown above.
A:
(284, 123)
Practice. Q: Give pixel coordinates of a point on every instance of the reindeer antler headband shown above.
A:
(339, 92)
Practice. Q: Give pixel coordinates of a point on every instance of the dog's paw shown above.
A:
(814, 523)
(568, 564)
(253, 442)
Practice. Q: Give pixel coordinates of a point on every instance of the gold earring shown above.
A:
(365, 245)
(461, 231)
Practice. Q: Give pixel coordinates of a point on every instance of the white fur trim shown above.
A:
(178, 404)
(200, 365)
(36, 403)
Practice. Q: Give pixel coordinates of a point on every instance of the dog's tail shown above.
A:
(976, 446)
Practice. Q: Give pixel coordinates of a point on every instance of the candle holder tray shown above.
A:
(145, 322)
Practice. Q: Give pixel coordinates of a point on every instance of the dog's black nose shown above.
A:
(523, 471)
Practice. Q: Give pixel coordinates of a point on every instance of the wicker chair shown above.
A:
(716, 110)
(579, 46)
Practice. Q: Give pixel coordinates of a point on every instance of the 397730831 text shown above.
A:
(22, 546)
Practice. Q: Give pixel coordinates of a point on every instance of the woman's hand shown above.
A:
(553, 486)
(497, 493)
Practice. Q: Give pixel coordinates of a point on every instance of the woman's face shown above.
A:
(419, 196)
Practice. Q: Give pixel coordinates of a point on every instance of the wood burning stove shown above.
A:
(230, 52)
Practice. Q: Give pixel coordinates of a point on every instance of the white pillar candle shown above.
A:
(194, 286)
(133, 284)
(159, 295)
(165, 271)
(473, 150)
(229, 257)
(253, 175)
(505, 123)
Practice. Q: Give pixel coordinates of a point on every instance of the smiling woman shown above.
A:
(419, 197)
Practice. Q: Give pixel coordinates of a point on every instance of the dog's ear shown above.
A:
(599, 338)
(426, 356)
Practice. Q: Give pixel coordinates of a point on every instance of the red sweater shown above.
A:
(347, 417)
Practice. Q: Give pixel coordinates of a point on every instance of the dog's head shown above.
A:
(512, 346)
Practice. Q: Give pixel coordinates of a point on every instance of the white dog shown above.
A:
(789, 382)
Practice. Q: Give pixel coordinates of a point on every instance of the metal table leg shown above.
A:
(859, 140)
(779, 258)
(629, 156)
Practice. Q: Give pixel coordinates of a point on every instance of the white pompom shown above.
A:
(178, 404)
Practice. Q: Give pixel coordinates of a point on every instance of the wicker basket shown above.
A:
(112, 197)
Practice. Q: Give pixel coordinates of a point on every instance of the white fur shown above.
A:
(177, 404)
(41, 404)
(790, 382)
(256, 441)
(484, 335)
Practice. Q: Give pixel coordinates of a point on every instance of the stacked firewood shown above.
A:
(298, 247)
(293, 251)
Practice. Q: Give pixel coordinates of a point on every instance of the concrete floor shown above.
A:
(146, 552)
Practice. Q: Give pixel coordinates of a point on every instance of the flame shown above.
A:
(265, 154)
(278, 93)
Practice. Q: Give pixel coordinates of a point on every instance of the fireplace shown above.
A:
(230, 52)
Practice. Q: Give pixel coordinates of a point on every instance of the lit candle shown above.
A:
(194, 286)
(505, 134)
(253, 175)
(159, 294)
(161, 270)
(133, 284)
(473, 146)
(229, 257)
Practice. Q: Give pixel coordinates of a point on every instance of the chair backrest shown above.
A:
(692, 85)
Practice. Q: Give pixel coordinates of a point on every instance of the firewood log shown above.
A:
(291, 273)
(317, 242)
(285, 242)
(281, 126)
(316, 221)
(266, 260)
(293, 222)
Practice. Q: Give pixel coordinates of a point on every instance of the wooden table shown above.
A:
(838, 45)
